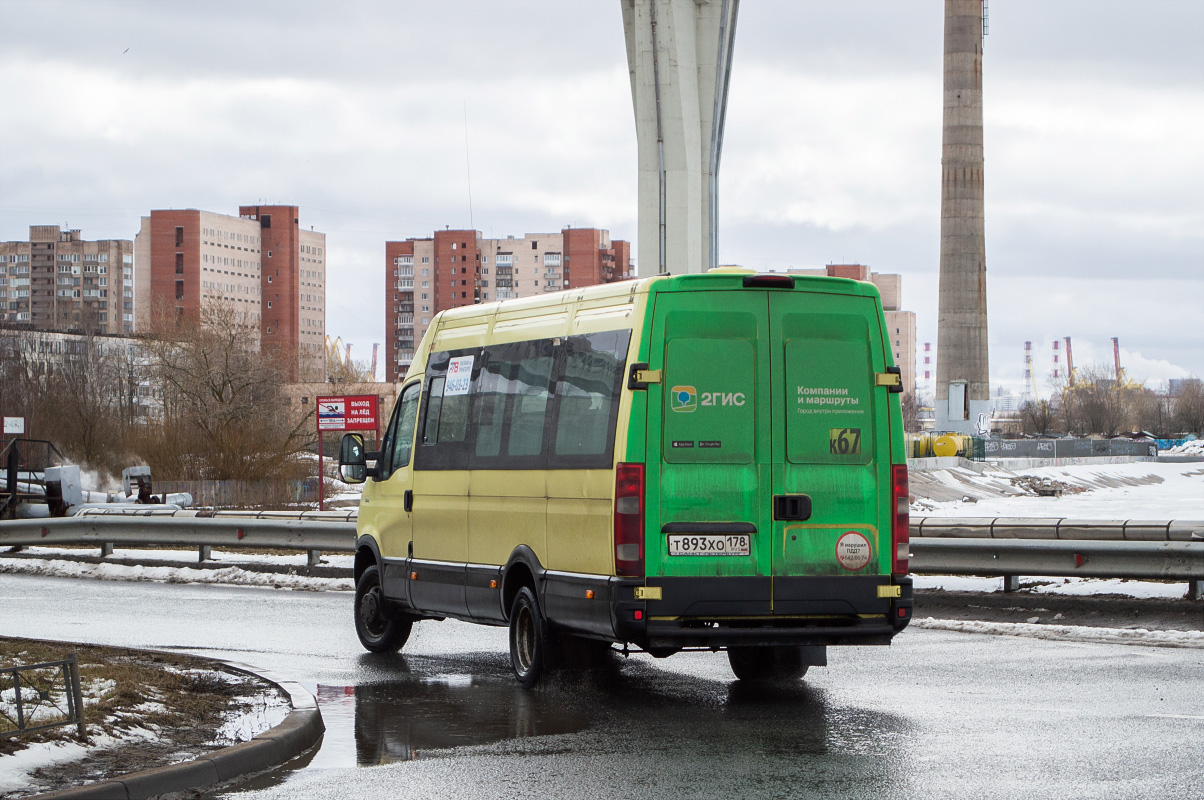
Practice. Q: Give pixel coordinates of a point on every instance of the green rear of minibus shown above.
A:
(765, 448)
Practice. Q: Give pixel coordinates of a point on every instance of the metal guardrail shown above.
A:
(268, 530)
(1002, 546)
(1083, 558)
(1133, 530)
(1009, 547)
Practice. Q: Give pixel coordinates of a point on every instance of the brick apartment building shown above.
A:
(901, 324)
(460, 267)
(262, 262)
(56, 281)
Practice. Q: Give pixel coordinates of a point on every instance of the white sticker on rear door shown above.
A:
(853, 550)
(459, 376)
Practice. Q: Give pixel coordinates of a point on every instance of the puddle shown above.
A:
(400, 720)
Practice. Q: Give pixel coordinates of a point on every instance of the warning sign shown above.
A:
(355, 412)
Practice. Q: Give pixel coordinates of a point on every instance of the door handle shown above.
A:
(792, 507)
(407, 500)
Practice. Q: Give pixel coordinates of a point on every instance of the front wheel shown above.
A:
(380, 630)
(529, 639)
(767, 664)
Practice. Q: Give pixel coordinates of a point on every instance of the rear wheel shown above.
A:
(380, 630)
(767, 664)
(529, 639)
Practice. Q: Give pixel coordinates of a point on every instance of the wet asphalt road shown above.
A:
(935, 715)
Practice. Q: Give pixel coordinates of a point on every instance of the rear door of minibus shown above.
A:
(831, 451)
(763, 450)
(708, 534)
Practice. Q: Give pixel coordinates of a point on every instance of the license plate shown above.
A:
(709, 544)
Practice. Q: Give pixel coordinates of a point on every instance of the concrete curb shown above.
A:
(300, 730)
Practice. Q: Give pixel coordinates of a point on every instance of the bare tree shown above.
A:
(84, 386)
(1097, 403)
(911, 413)
(1189, 408)
(1147, 411)
(223, 408)
(1037, 417)
(68, 387)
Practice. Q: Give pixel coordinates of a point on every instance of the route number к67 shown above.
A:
(844, 441)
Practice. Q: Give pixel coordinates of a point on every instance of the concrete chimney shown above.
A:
(963, 392)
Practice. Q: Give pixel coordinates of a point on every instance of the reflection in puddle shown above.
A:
(397, 721)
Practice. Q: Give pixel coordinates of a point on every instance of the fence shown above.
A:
(990, 449)
(40, 691)
(244, 494)
(927, 445)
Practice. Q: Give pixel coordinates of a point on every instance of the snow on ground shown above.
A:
(16, 767)
(1076, 587)
(1068, 633)
(1192, 448)
(1138, 490)
(298, 559)
(228, 576)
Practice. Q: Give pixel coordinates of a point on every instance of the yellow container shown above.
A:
(945, 445)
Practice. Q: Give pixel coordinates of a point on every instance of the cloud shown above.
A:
(357, 112)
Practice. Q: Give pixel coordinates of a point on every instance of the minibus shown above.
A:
(683, 462)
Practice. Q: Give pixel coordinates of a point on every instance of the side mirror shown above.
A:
(353, 461)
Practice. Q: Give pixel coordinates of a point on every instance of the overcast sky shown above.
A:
(356, 112)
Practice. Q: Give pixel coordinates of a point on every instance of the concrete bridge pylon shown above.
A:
(679, 55)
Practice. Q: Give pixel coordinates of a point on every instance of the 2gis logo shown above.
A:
(686, 398)
(683, 398)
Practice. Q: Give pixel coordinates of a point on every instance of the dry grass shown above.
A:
(126, 689)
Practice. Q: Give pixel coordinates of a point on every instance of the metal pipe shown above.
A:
(723, 73)
(660, 138)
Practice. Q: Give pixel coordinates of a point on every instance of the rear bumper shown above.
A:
(794, 610)
(671, 634)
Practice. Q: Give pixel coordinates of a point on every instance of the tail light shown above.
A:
(900, 531)
(629, 520)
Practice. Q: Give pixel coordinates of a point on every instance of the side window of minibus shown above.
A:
(403, 424)
(512, 394)
(588, 394)
(383, 466)
(446, 416)
(434, 405)
(531, 385)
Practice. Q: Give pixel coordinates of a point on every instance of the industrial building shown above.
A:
(461, 267)
(57, 281)
(261, 261)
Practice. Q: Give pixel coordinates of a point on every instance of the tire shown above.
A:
(530, 641)
(380, 631)
(766, 664)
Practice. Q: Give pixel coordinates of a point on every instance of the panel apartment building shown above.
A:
(261, 263)
(56, 281)
(901, 324)
(460, 267)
